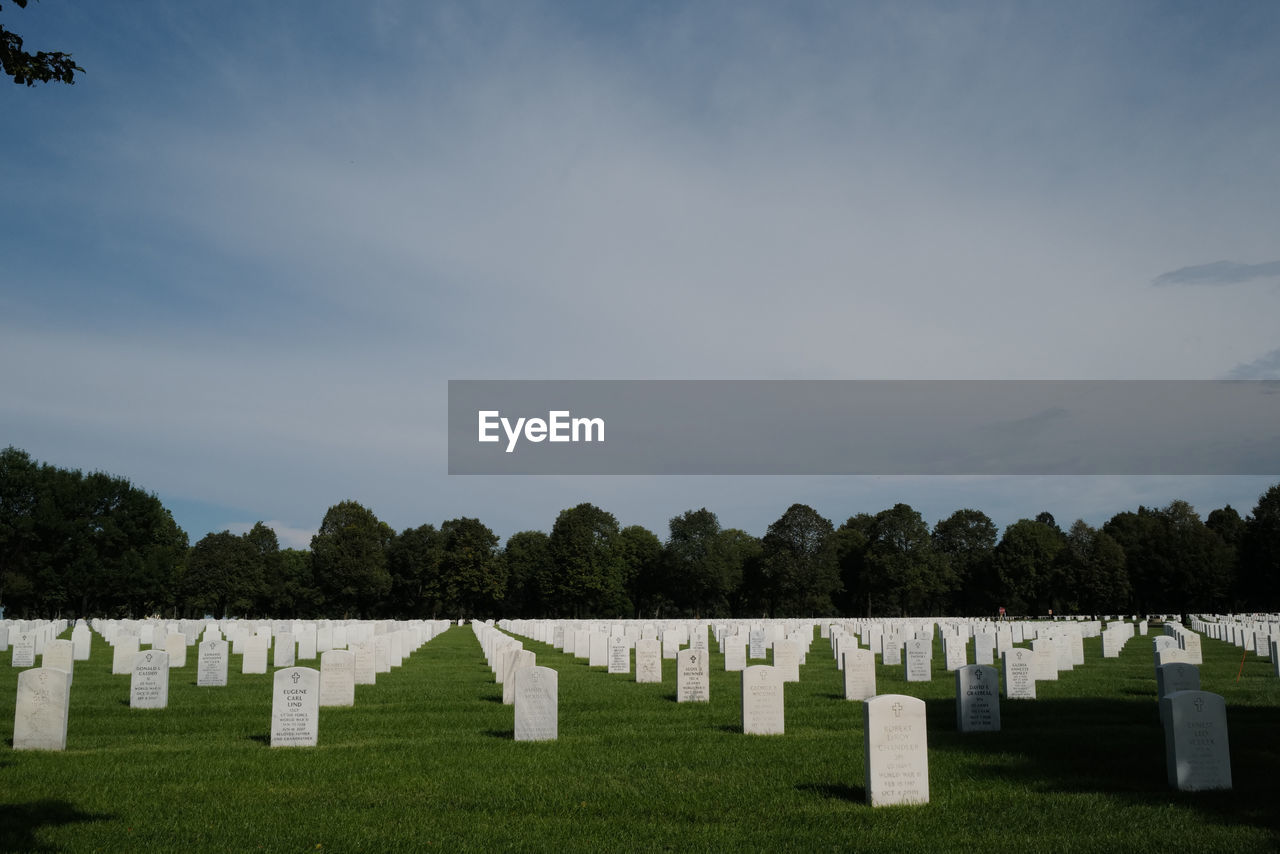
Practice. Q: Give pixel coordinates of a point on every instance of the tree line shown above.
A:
(73, 545)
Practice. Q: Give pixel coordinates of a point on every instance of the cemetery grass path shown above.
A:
(425, 760)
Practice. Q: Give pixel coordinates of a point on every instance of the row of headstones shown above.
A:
(1054, 650)
(532, 690)
(896, 746)
(43, 697)
(1197, 754)
(25, 640)
(1257, 633)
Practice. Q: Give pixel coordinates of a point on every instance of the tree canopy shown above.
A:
(31, 68)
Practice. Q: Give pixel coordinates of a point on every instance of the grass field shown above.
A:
(426, 760)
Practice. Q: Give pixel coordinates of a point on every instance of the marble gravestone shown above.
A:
(295, 707)
(521, 658)
(1019, 674)
(40, 713)
(60, 655)
(337, 676)
(536, 704)
(896, 750)
(762, 706)
(919, 663)
(693, 682)
(1197, 755)
(977, 699)
(648, 660)
(149, 684)
(859, 673)
(211, 663)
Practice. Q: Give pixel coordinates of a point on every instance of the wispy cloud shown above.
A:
(288, 536)
(1263, 368)
(1218, 273)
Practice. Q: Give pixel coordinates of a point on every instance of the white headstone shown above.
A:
(896, 750)
(149, 684)
(648, 660)
(619, 655)
(366, 671)
(285, 651)
(1019, 674)
(537, 704)
(122, 655)
(735, 655)
(337, 677)
(40, 712)
(82, 640)
(295, 707)
(1197, 755)
(859, 673)
(59, 654)
(786, 658)
(176, 646)
(762, 706)
(211, 663)
(919, 663)
(693, 682)
(522, 658)
(977, 699)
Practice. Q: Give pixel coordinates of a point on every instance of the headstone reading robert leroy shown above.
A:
(897, 756)
(149, 684)
(1195, 736)
(762, 707)
(40, 713)
(537, 704)
(295, 707)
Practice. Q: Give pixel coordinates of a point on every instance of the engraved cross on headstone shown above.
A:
(897, 710)
(1199, 704)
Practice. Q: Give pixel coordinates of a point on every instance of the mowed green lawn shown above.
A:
(426, 760)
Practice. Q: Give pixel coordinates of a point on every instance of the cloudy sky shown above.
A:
(242, 256)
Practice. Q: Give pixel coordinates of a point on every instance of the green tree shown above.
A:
(798, 560)
(223, 576)
(472, 571)
(349, 560)
(31, 68)
(1260, 554)
(590, 573)
(701, 572)
(414, 562)
(1024, 562)
(1093, 576)
(1175, 563)
(966, 540)
(292, 591)
(906, 576)
(642, 569)
(528, 559)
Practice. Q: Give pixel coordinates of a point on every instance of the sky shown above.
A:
(242, 256)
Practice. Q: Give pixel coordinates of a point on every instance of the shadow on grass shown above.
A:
(19, 823)
(835, 791)
(264, 740)
(507, 734)
(1115, 747)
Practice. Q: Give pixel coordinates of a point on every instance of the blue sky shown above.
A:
(245, 252)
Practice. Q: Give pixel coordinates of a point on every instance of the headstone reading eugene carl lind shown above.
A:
(295, 707)
(897, 756)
